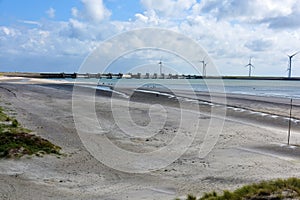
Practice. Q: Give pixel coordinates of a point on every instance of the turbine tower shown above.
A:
(160, 66)
(250, 66)
(203, 67)
(290, 63)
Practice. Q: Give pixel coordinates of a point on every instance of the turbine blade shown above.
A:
(295, 54)
(290, 56)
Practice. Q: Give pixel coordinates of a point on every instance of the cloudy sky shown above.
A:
(56, 36)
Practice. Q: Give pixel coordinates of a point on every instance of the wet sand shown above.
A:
(250, 148)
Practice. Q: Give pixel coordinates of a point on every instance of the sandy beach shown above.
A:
(251, 147)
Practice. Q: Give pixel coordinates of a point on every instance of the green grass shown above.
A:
(276, 189)
(3, 116)
(16, 141)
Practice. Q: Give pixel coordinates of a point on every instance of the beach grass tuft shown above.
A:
(266, 190)
(16, 141)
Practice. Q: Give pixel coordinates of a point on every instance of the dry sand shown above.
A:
(250, 148)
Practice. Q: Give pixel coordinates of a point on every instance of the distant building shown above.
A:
(98, 75)
(137, 76)
(174, 76)
(126, 76)
(147, 76)
(162, 76)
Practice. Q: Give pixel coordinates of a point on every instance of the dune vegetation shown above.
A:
(266, 190)
(16, 141)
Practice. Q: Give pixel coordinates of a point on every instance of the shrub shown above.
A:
(15, 123)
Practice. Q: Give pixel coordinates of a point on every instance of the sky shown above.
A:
(57, 36)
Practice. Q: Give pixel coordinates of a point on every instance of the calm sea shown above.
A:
(280, 88)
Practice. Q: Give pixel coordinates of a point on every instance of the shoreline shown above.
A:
(246, 152)
(250, 107)
(27, 80)
(74, 75)
(255, 110)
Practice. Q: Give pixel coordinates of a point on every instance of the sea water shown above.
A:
(278, 88)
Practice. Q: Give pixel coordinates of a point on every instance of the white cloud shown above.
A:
(141, 17)
(95, 10)
(149, 18)
(30, 22)
(74, 12)
(248, 11)
(51, 12)
(230, 31)
(7, 31)
(168, 8)
(259, 44)
(230, 45)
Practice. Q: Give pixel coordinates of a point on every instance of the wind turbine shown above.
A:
(250, 66)
(203, 67)
(160, 66)
(290, 63)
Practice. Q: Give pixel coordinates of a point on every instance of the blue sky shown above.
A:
(56, 36)
(13, 10)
